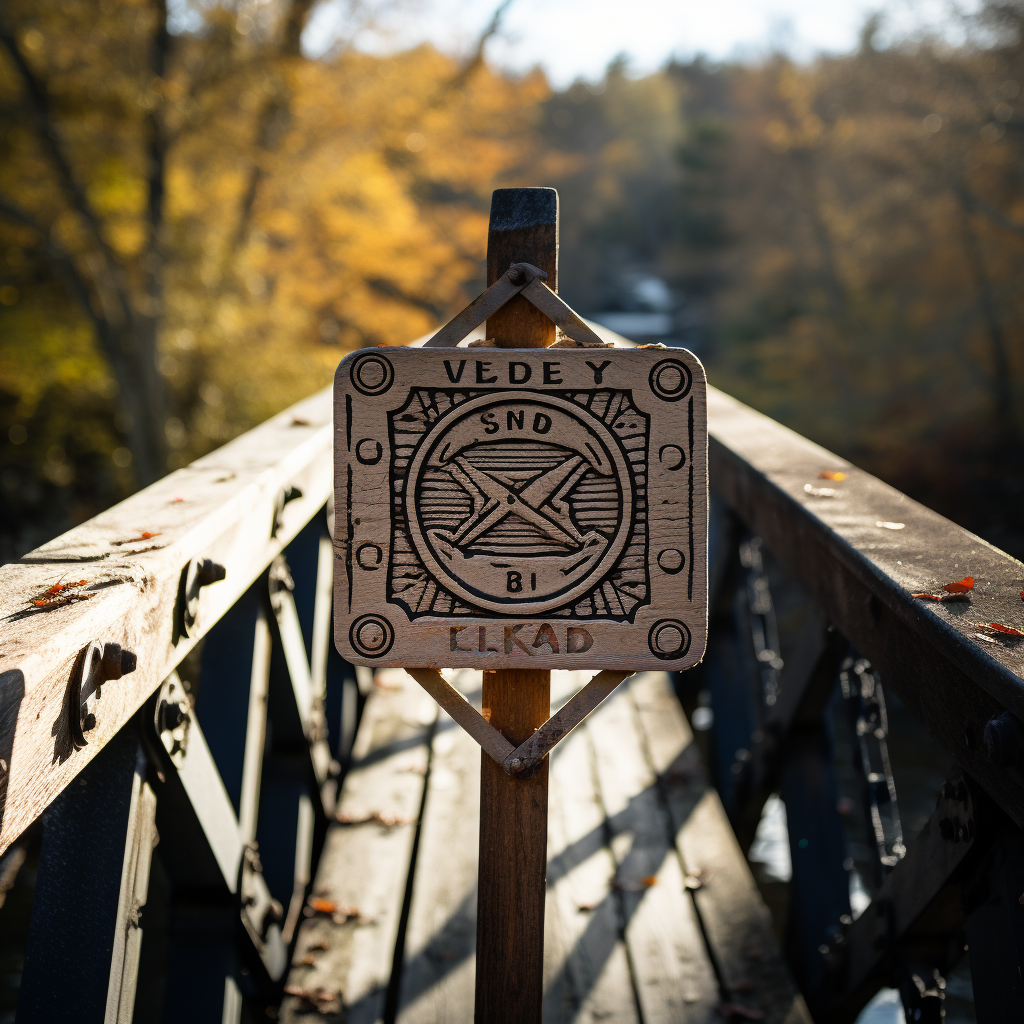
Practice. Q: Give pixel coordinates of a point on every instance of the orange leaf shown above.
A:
(927, 597)
(1022, 595)
(960, 587)
(832, 474)
(322, 906)
(1000, 628)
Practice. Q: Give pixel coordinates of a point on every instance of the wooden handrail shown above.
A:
(862, 552)
(238, 506)
(241, 505)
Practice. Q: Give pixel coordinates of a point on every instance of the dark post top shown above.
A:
(523, 229)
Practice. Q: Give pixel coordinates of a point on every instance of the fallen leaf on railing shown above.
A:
(145, 535)
(958, 591)
(832, 474)
(960, 587)
(321, 906)
(728, 1010)
(998, 629)
(49, 595)
(820, 492)
(1022, 595)
(59, 602)
(882, 525)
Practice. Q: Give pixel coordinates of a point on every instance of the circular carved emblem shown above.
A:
(670, 379)
(371, 635)
(669, 639)
(519, 502)
(372, 374)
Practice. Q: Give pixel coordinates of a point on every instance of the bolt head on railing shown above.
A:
(97, 663)
(199, 573)
(1003, 740)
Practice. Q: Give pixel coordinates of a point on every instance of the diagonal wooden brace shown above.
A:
(520, 278)
(523, 759)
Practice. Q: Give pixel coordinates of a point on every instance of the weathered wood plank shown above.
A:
(586, 969)
(440, 952)
(222, 507)
(734, 917)
(673, 975)
(843, 548)
(365, 862)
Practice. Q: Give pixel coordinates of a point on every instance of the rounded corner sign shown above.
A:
(500, 508)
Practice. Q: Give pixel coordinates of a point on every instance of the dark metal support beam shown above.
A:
(85, 935)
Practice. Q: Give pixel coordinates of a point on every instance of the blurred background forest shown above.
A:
(197, 221)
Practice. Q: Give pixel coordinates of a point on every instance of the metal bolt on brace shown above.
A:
(199, 573)
(97, 663)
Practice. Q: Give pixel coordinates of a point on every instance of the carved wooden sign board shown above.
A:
(514, 508)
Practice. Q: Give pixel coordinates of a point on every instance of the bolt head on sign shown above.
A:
(514, 508)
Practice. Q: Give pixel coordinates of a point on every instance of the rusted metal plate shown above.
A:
(512, 508)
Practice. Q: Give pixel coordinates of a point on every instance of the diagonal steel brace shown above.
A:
(523, 759)
(524, 279)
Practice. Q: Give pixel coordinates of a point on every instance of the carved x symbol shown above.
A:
(493, 501)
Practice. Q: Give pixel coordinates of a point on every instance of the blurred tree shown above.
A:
(199, 223)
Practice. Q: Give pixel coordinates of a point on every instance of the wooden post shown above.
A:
(514, 812)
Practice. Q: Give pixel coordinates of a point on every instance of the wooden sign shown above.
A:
(514, 508)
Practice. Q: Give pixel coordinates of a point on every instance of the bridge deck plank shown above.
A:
(628, 805)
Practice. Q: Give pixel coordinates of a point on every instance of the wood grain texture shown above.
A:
(586, 967)
(673, 975)
(863, 574)
(735, 920)
(501, 507)
(511, 886)
(220, 507)
(365, 862)
(523, 229)
(440, 952)
(513, 858)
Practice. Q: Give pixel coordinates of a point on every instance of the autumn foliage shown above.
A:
(195, 225)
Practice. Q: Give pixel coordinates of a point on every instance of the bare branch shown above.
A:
(476, 58)
(39, 108)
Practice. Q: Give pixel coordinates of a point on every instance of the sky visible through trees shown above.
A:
(198, 219)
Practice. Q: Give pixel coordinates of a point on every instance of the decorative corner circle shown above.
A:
(372, 374)
(371, 636)
(670, 380)
(671, 561)
(669, 639)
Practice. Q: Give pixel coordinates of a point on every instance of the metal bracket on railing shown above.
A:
(97, 663)
(199, 573)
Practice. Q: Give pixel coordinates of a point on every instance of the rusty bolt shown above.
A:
(117, 661)
(208, 571)
(515, 764)
(515, 274)
(199, 573)
(1003, 740)
(97, 664)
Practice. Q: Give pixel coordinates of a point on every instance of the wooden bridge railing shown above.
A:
(223, 722)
